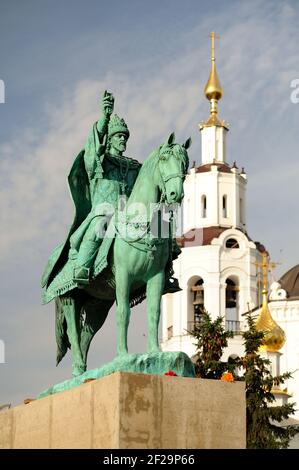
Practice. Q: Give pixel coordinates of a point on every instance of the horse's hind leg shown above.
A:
(96, 312)
(154, 290)
(72, 308)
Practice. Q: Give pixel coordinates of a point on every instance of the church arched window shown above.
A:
(224, 206)
(197, 291)
(232, 322)
(203, 206)
(232, 243)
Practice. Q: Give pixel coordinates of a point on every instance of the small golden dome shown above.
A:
(213, 90)
(274, 337)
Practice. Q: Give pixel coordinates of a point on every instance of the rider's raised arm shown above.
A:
(96, 141)
(107, 106)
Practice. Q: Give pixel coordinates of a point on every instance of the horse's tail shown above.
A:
(62, 340)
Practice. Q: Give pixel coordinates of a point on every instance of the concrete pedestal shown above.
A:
(131, 411)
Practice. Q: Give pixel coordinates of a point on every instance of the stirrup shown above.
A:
(172, 286)
(81, 275)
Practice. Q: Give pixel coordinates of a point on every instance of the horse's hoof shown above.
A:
(78, 370)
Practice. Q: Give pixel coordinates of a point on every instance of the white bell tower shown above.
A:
(217, 269)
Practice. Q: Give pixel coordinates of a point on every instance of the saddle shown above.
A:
(63, 281)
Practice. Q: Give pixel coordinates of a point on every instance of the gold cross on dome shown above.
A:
(265, 266)
(213, 36)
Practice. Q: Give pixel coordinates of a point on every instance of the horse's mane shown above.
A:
(151, 161)
(177, 151)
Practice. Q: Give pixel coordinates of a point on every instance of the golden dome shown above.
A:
(213, 90)
(274, 337)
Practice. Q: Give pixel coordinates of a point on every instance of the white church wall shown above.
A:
(214, 186)
(286, 314)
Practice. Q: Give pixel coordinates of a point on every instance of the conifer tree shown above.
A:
(263, 431)
(211, 339)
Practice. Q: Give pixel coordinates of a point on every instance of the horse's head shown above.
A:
(173, 164)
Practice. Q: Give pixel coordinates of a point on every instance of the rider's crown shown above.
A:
(117, 124)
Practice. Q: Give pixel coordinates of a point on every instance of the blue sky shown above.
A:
(56, 59)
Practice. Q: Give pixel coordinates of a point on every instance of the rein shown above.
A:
(145, 242)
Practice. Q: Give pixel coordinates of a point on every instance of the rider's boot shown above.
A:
(86, 257)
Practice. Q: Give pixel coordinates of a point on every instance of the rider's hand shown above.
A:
(107, 104)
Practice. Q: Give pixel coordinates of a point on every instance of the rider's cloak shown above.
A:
(80, 192)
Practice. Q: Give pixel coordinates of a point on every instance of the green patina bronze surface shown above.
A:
(111, 252)
(155, 363)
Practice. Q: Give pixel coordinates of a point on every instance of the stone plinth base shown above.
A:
(131, 411)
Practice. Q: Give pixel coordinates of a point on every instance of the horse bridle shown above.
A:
(166, 179)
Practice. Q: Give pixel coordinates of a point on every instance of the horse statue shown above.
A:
(133, 265)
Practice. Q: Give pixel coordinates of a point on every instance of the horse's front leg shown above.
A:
(154, 290)
(123, 310)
